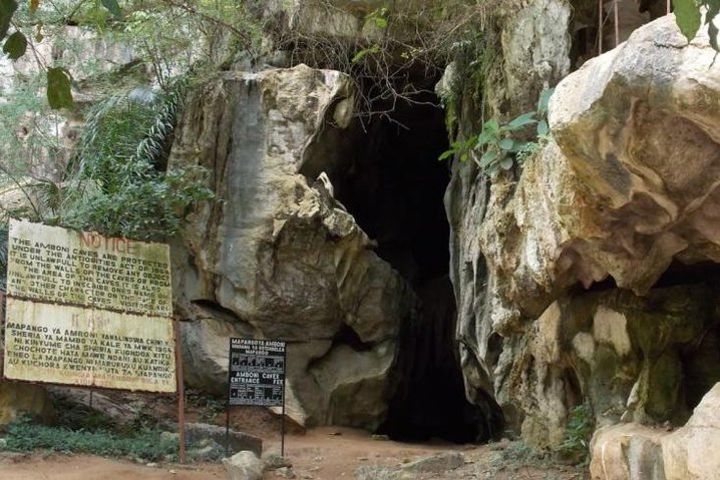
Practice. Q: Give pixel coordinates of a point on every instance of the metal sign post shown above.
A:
(256, 376)
(282, 420)
(180, 391)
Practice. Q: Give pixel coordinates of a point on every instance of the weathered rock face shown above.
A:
(348, 19)
(635, 452)
(540, 27)
(644, 359)
(275, 256)
(624, 192)
(639, 128)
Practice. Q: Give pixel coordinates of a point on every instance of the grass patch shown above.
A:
(149, 445)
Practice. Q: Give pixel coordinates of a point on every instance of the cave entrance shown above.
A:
(389, 178)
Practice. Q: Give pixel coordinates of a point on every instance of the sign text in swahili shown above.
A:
(88, 310)
(257, 372)
(80, 346)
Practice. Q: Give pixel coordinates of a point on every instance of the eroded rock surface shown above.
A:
(275, 256)
(624, 193)
(634, 452)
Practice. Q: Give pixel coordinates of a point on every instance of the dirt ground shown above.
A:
(320, 454)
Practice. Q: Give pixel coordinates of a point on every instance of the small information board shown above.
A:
(256, 372)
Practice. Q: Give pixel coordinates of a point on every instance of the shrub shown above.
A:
(148, 445)
(578, 432)
(118, 184)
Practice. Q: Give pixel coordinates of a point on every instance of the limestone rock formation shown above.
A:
(275, 256)
(476, 211)
(690, 453)
(627, 452)
(624, 192)
(635, 452)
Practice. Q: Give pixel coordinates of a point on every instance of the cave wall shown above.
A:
(561, 268)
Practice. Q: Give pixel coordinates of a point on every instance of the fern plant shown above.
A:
(119, 185)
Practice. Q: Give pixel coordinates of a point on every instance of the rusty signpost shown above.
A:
(90, 311)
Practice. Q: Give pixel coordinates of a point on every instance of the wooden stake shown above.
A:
(180, 390)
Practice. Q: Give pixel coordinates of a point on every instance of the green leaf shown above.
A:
(543, 128)
(446, 154)
(364, 52)
(489, 157)
(381, 23)
(544, 100)
(15, 46)
(485, 137)
(687, 16)
(491, 126)
(59, 92)
(506, 163)
(521, 121)
(113, 7)
(713, 11)
(7, 8)
(507, 144)
(519, 147)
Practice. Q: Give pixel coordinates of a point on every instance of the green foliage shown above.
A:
(15, 46)
(579, 430)
(59, 92)
(113, 7)
(168, 35)
(504, 144)
(379, 19)
(119, 187)
(7, 9)
(689, 19)
(149, 445)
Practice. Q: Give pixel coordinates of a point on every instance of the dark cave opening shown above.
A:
(388, 176)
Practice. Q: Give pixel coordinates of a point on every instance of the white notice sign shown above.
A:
(78, 346)
(56, 265)
(84, 309)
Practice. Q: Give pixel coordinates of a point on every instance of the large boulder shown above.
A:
(640, 128)
(275, 256)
